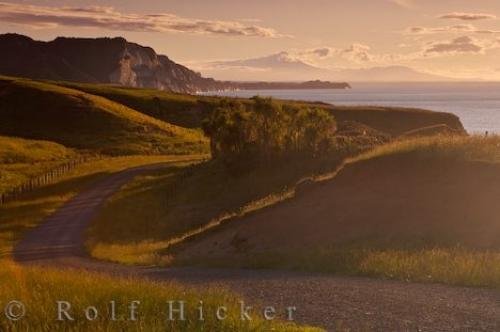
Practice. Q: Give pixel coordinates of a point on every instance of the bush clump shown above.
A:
(264, 130)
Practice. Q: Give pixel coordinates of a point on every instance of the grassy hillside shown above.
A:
(22, 159)
(189, 110)
(40, 288)
(76, 119)
(181, 200)
(17, 150)
(23, 213)
(422, 209)
(396, 121)
(179, 109)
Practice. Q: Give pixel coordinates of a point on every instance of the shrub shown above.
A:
(265, 130)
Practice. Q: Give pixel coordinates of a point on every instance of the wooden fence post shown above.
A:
(42, 180)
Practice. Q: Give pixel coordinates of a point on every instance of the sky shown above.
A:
(458, 39)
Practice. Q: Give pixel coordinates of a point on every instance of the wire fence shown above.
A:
(44, 179)
(178, 182)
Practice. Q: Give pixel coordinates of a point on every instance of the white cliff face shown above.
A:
(124, 74)
(141, 67)
(98, 60)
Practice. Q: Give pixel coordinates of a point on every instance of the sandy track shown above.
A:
(321, 300)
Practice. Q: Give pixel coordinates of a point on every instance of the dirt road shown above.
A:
(332, 302)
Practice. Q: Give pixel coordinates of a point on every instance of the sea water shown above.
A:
(477, 104)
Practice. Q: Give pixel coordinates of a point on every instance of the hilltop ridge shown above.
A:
(99, 60)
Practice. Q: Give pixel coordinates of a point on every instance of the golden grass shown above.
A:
(449, 265)
(455, 147)
(417, 262)
(18, 216)
(150, 252)
(406, 259)
(17, 150)
(179, 109)
(39, 289)
(22, 159)
(41, 110)
(456, 266)
(162, 209)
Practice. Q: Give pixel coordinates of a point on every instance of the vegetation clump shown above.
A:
(264, 130)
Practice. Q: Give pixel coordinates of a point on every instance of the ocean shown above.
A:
(477, 104)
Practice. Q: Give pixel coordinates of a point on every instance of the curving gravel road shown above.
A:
(332, 302)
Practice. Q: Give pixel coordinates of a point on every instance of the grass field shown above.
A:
(181, 201)
(447, 233)
(21, 151)
(163, 216)
(453, 148)
(60, 121)
(454, 265)
(39, 110)
(18, 216)
(447, 251)
(396, 121)
(39, 288)
(189, 111)
(22, 159)
(179, 109)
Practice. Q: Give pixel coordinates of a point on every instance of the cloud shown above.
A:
(459, 28)
(463, 44)
(322, 52)
(108, 18)
(467, 16)
(312, 54)
(357, 53)
(360, 54)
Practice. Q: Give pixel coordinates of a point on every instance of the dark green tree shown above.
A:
(264, 130)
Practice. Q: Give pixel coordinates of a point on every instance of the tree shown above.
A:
(264, 130)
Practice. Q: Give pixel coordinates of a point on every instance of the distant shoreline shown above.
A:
(477, 104)
(308, 85)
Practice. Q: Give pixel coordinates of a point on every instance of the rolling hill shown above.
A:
(179, 109)
(40, 110)
(189, 110)
(418, 194)
(17, 150)
(119, 120)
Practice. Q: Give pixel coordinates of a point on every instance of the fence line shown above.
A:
(38, 181)
(178, 182)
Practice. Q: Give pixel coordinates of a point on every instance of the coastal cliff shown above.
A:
(114, 61)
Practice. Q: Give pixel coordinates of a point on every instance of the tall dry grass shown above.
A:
(39, 290)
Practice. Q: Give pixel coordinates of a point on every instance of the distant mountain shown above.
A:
(277, 67)
(280, 60)
(386, 74)
(284, 67)
(101, 60)
(117, 61)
